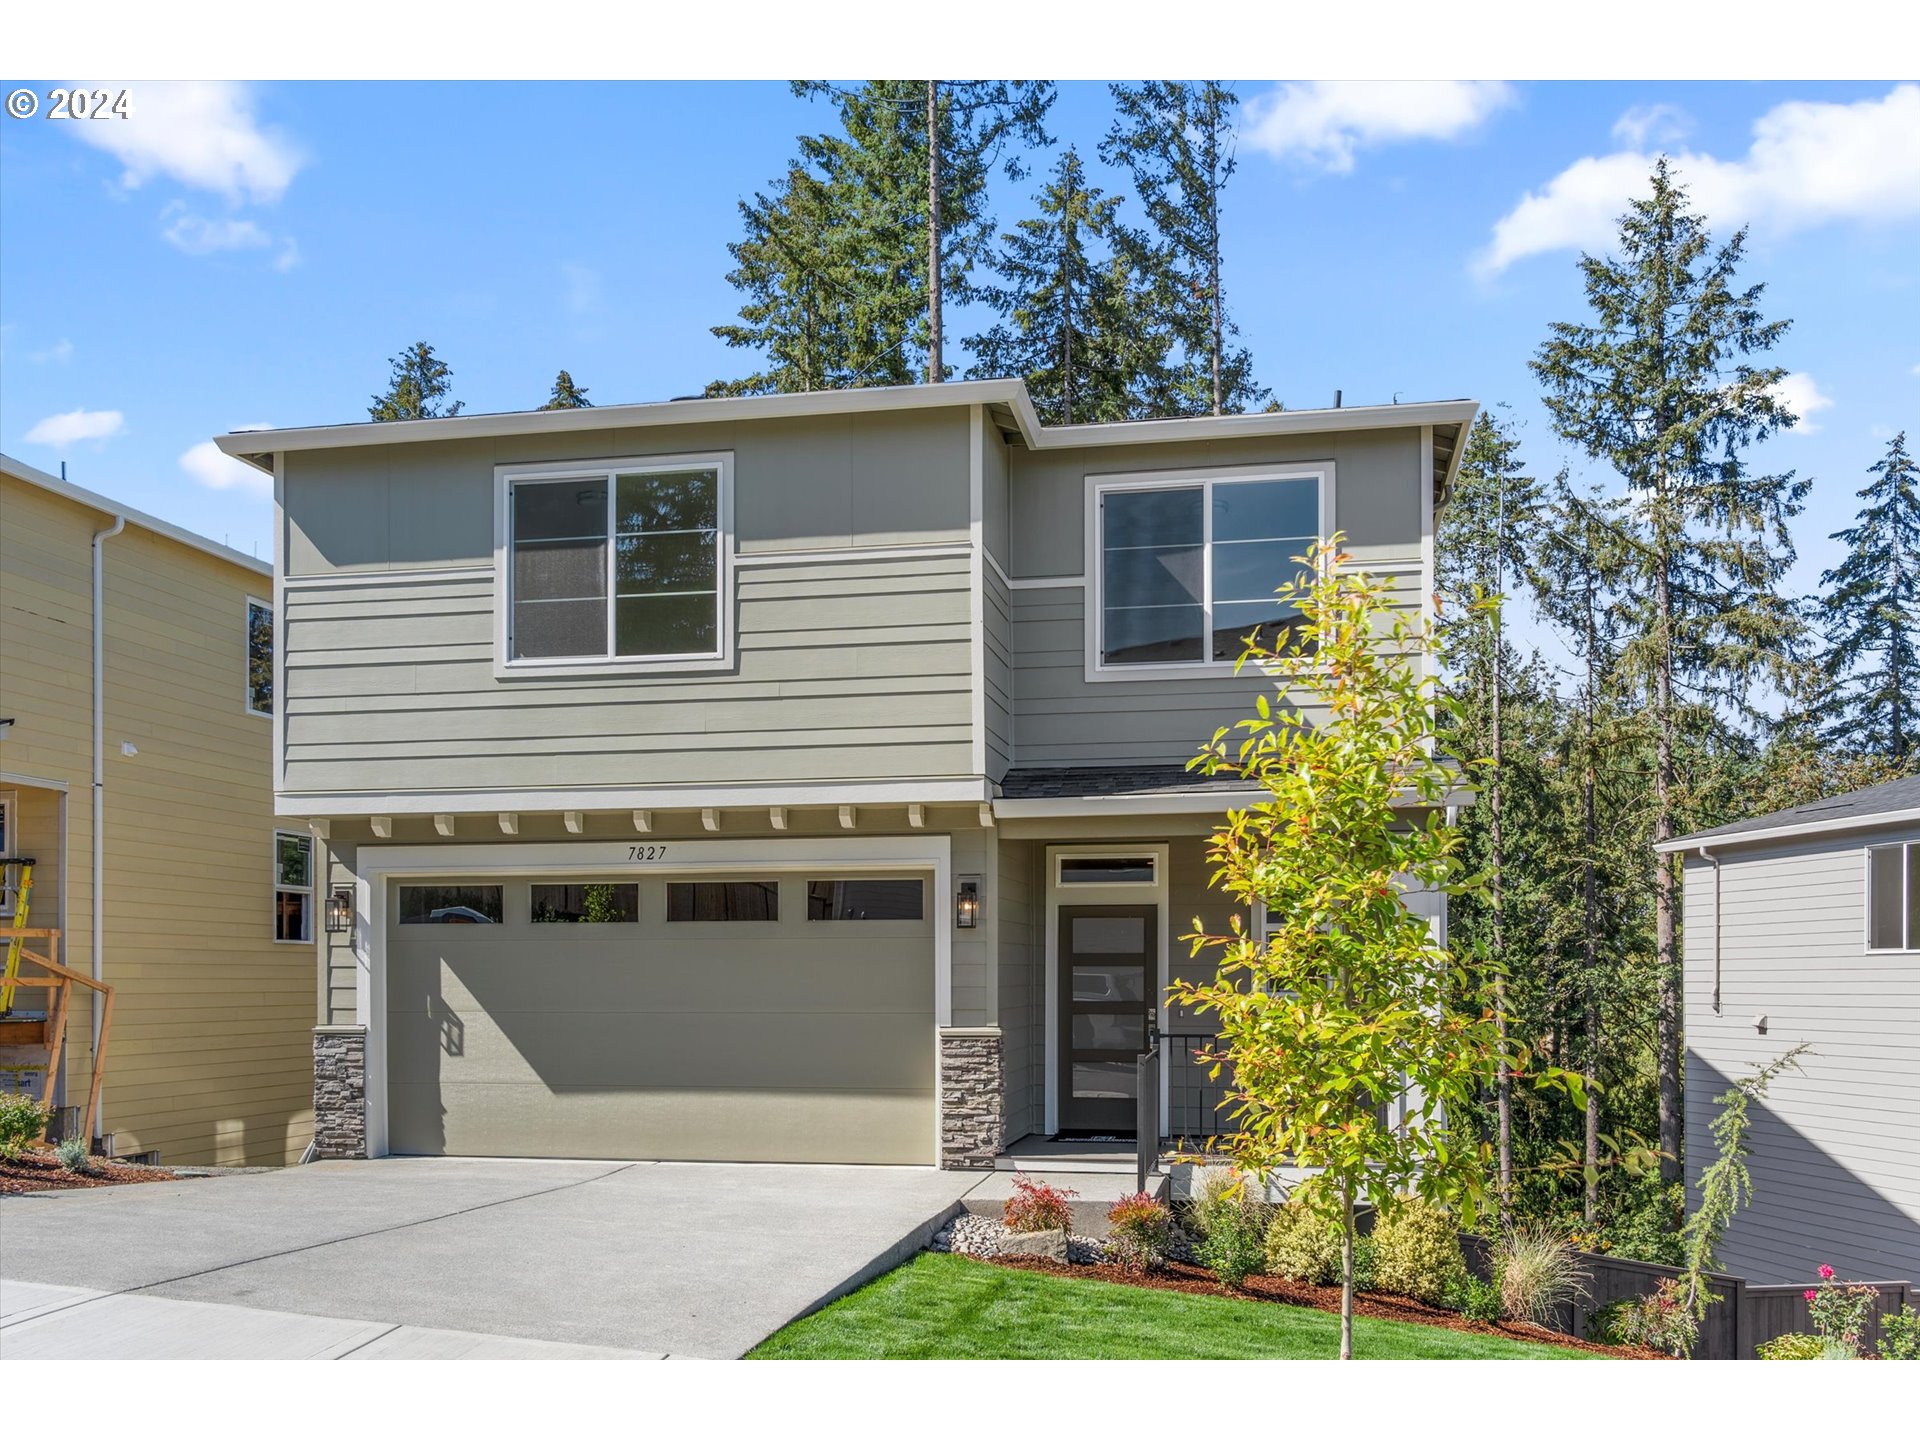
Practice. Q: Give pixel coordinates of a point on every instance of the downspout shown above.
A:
(98, 963)
(1713, 860)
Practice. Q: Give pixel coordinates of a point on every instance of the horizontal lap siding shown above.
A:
(999, 675)
(1836, 1148)
(1021, 994)
(1063, 719)
(208, 1060)
(850, 669)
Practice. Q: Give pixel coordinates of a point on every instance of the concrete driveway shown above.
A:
(645, 1258)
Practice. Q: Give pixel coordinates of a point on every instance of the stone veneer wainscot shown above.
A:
(972, 1105)
(340, 1092)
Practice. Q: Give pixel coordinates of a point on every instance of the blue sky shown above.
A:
(244, 255)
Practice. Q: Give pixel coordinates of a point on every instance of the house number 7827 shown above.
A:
(646, 852)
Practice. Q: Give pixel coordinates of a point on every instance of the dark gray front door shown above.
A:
(1109, 984)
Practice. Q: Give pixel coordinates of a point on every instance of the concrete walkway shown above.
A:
(420, 1257)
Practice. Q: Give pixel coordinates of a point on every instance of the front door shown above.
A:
(1109, 985)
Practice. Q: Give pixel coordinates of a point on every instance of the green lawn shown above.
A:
(946, 1307)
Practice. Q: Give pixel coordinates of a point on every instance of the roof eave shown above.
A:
(1714, 840)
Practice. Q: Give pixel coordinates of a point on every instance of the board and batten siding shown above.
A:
(208, 1061)
(1836, 1144)
(1022, 996)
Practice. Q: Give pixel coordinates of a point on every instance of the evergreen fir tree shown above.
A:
(420, 382)
(1176, 139)
(1072, 326)
(1870, 609)
(567, 395)
(1661, 387)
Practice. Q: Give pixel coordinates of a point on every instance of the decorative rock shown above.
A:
(1042, 1244)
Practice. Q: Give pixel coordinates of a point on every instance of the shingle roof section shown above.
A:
(1857, 808)
(1079, 781)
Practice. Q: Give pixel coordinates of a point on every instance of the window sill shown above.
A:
(614, 668)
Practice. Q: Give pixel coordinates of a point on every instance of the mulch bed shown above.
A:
(1192, 1280)
(40, 1169)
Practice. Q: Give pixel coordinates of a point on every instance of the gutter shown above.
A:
(99, 819)
(1714, 860)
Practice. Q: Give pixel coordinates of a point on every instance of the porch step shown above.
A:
(1069, 1157)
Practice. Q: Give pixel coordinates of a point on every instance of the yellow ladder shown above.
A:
(23, 900)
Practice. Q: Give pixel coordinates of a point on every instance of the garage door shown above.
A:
(741, 1017)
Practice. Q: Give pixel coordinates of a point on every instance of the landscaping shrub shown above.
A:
(75, 1154)
(1538, 1272)
(1036, 1205)
(1475, 1298)
(1900, 1335)
(1234, 1247)
(1797, 1346)
(1840, 1314)
(1216, 1189)
(1417, 1251)
(1142, 1232)
(1366, 1262)
(23, 1120)
(1303, 1246)
(1662, 1321)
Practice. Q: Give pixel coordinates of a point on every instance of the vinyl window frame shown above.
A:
(505, 477)
(1909, 898)
(309, 890)
(9, 841)
(254, 602)
(1098, 487)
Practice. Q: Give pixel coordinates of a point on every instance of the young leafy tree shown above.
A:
(1485, 533)
(420, 383)
(1871, 613)
(1071, 325)
(1176, 139)
(1351, 1003)
(1661, 386)
(567, 395)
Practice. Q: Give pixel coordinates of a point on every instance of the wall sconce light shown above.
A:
(6, 724)
(340, 912)
(966, 904)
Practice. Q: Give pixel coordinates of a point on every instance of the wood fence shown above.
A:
(1743, 1317)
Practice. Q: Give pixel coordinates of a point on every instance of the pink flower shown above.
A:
(1812, 1295)
(1826, 1272)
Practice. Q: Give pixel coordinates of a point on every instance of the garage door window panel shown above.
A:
(587, 903)
(864, 899)
(452, 904)
(723, 900)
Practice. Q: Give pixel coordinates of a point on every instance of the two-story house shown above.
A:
(791, 777)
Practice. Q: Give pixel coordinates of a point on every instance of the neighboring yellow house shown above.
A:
(206, 914)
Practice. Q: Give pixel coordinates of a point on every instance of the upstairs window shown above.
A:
(292, 887)
(1893, 897)
(623, 563)
(1186, 569)
(259, 657)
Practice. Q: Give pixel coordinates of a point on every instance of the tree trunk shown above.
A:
(1590, 968)
(1213, 263)
(1503, 1076)
(1665, 897)
(1066, 300)
(1346, 1271)
(936, 367)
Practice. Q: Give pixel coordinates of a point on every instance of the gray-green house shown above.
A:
(1803, 926)
(791, 777)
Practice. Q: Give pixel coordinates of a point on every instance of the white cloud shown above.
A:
(1811, 163)
(203, 133)
(1801, 394)
(217, 471)
(1323, 122)
(59, 352)
(197, 235)
(77, 425)
(1658, 124)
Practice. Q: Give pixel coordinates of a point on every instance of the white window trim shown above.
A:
(1099, 486)
(504, 479)
(9, 840)
(310, 889)
(1907, 897)
(1158, 893)
(273, 660)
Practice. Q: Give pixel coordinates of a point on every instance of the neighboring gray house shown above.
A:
(1805, 926)
(790, 777)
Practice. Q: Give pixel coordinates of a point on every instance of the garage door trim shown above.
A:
(380, 865)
